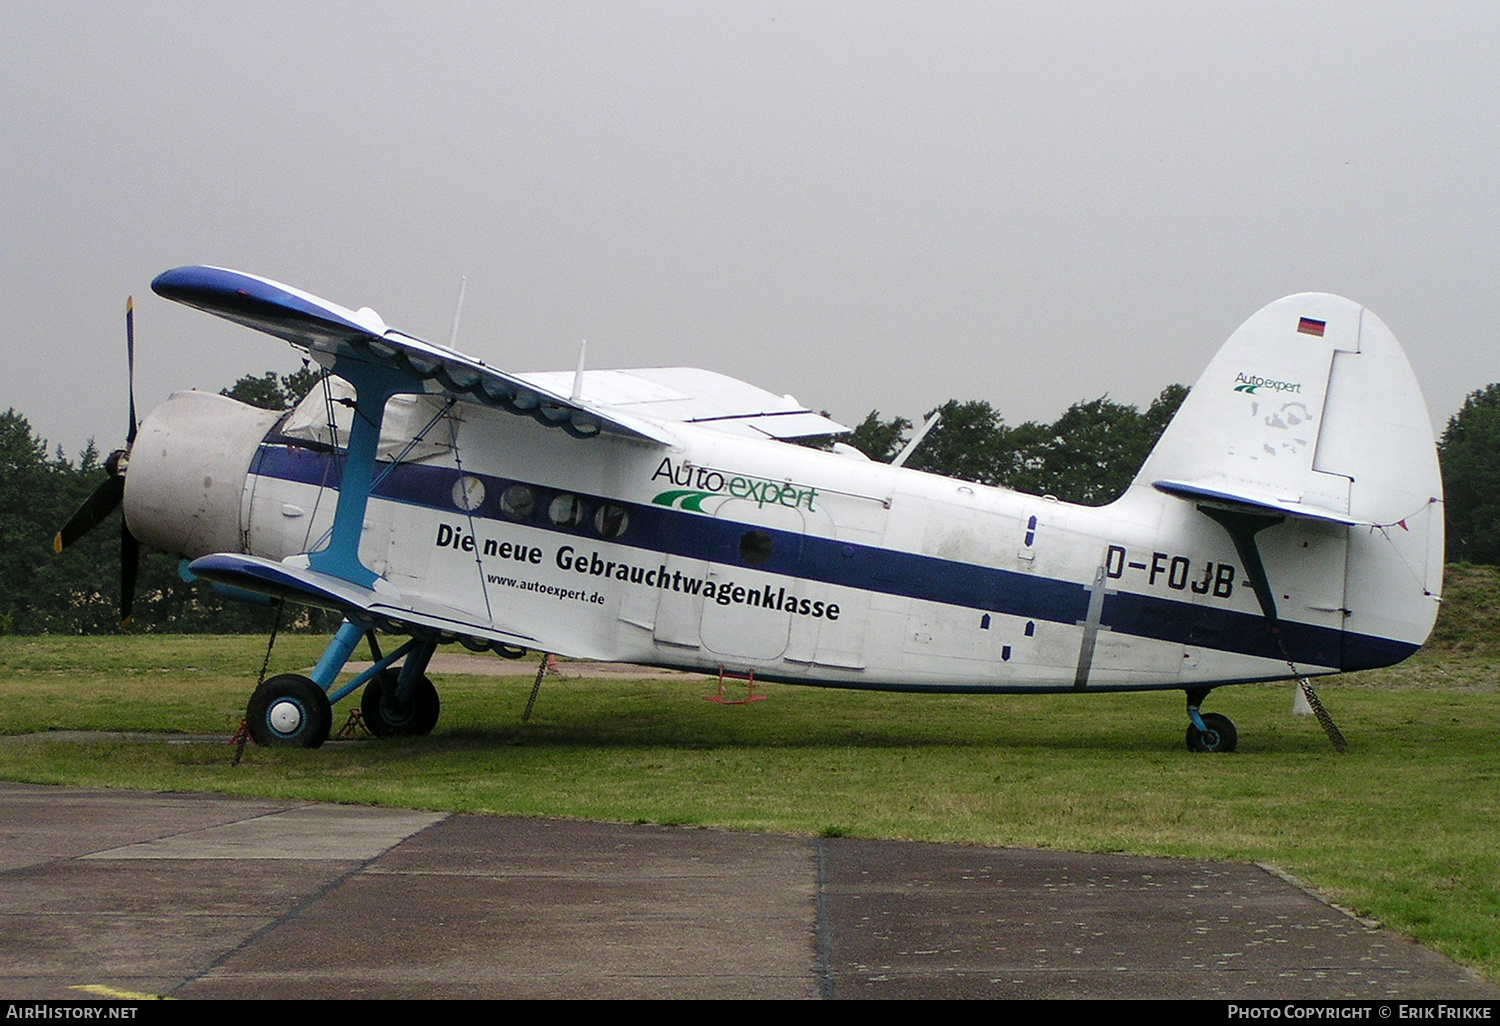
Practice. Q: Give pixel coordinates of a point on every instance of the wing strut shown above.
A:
(374, 385)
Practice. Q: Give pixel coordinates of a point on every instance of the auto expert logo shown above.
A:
(1252, 384)
(695, 484)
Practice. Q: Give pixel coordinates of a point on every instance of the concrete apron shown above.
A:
(199, 896)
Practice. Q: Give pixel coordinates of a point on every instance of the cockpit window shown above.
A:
(324, 418)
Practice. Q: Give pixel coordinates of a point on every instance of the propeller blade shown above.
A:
(130, 566)
(130, 365)
(111, 493)
(94, 509)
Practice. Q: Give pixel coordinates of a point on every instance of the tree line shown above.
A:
(1470, 451)
(1089, 455)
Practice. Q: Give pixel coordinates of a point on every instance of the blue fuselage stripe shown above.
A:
(667, 532)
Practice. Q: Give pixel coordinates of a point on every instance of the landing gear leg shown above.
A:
(402, 704)
(339, 649)
(1210, 733)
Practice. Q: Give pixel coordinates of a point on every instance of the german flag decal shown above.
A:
(1308, 326)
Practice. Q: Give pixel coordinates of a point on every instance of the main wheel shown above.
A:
(386, 719)
(1219, 737)
(289, 711)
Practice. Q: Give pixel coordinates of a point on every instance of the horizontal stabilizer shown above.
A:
(1213, 494)
(395, 613)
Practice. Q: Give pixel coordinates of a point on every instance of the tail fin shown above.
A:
(1310, 412)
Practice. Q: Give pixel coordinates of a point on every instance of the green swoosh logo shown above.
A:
(683, 499)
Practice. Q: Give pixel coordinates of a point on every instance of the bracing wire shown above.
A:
(484, 588)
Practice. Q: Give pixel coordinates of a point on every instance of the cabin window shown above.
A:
(468, 493)
(517, 502)
(756, 548)
(611, 521)
(566, 511)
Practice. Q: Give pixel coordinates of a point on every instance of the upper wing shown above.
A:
(690, 395)
(632, 403)
(360, 335)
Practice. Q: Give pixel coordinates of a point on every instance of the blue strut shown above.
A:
(374, 385)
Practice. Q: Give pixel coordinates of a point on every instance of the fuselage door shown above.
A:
(751, 575)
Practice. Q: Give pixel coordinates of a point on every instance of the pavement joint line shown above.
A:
(295, 911)
(181, 833)
(160, 837)
(825, 924)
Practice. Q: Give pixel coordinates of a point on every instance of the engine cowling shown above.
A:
(185, 485)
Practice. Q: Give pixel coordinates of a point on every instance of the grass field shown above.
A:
(1403, 828)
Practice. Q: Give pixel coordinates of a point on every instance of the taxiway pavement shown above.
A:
(200, 896)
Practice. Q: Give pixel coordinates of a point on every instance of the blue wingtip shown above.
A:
(195, 282)
(171, 284)
(217, 290)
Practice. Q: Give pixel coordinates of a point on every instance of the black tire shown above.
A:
(1219, 737)
(289, 711)
(383, 720)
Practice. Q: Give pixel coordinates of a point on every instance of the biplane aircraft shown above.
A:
(1288, 523)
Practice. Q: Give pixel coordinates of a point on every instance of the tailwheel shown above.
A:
(289, 711)
(1218, 734)
(1208, 732)
(386, 716)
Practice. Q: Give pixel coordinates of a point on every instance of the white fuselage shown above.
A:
(807, 566)
(1289, 520)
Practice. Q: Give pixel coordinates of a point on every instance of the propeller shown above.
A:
(108, 495)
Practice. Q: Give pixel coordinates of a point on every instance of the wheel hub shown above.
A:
(396, 713)
(285, 717)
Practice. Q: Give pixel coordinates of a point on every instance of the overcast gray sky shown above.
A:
(867, 205)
